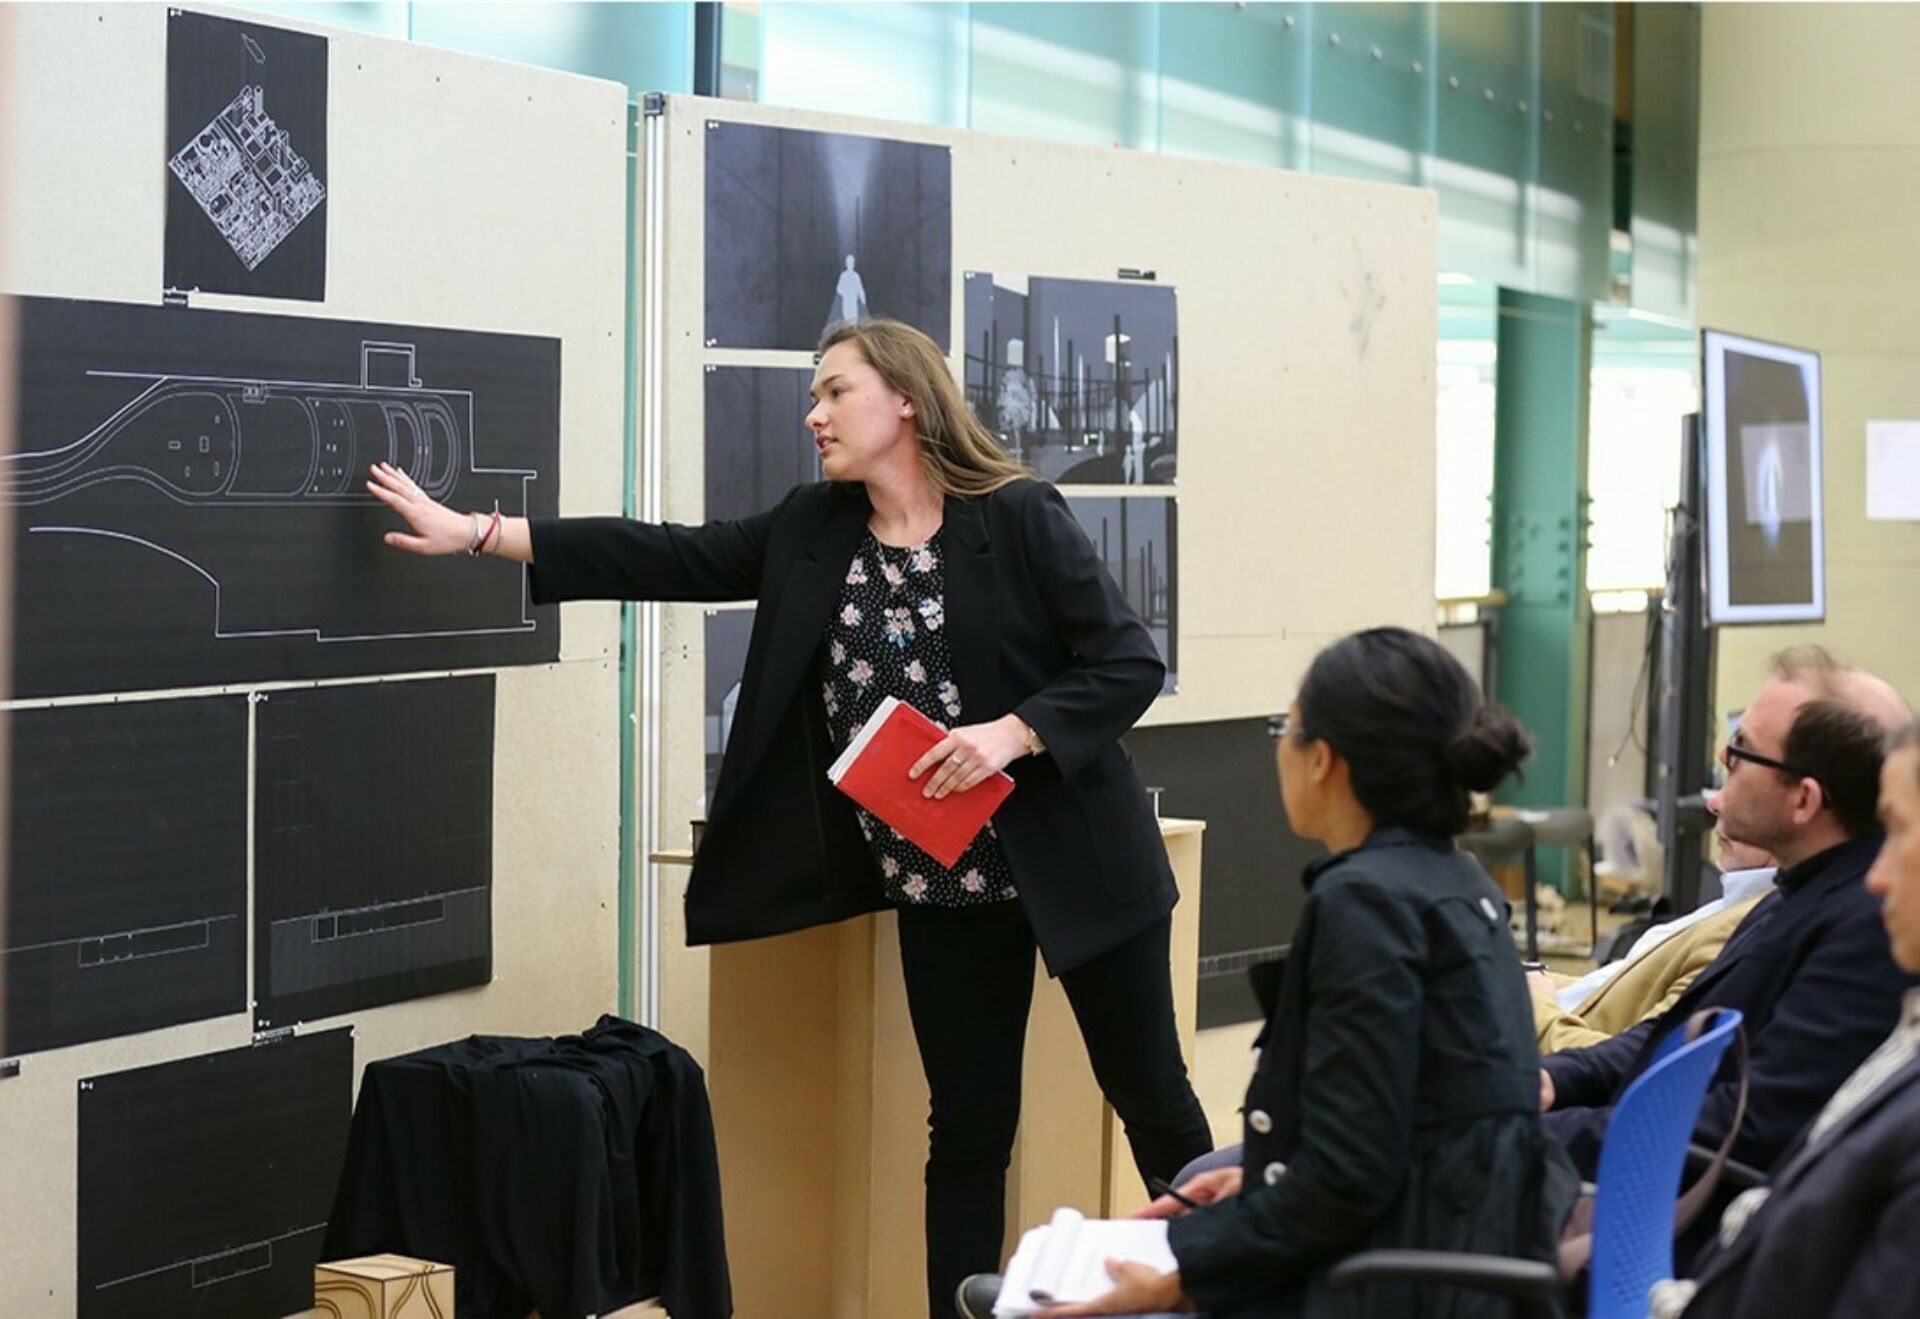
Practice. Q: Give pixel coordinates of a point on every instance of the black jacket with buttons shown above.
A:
(1036, 627)
(1395, 1104)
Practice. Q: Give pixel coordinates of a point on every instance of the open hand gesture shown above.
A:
(435, 528)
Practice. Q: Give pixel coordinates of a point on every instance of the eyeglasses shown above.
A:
(1279, 728)
(1737, 749)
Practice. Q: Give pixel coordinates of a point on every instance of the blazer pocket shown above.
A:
(1119, 820)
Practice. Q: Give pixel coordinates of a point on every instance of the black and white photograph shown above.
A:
(728, 631)
(190, 503)
(246, 159)
(1764, 484)
(1079, 378)
(205, 1183)
(374, 845)
(807, 230)
(758, 444)
(1136, 538)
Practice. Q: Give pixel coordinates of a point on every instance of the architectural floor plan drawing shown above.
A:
(197, 479)
(246, 146)
(247, 177)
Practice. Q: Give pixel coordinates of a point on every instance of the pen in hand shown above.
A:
(1161, 1186)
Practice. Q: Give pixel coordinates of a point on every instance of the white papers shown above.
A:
(1066, 1260)
(1893, 471)
(858, 742)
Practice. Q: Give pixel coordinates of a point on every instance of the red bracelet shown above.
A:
(493, 530)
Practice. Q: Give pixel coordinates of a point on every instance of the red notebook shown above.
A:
(873, 771)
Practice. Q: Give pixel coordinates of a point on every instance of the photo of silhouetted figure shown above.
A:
(806, 231)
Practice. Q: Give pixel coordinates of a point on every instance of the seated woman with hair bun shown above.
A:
(1395, 1103)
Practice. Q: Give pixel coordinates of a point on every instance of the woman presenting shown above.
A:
(930, 568)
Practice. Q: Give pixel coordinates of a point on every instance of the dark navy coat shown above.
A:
(1839, 1233)
(1396, 1101)
(1810, 972)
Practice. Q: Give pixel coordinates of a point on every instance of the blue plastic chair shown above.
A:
(1641, 1161)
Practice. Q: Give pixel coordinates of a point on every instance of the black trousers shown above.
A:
(969, 977)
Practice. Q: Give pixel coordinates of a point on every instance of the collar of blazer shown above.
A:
(799, 617)
(1819, 876)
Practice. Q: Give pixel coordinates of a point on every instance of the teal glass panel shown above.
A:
(1371, 91)
(1464, 409)
(647, 47)
(1233, 82)
(380, 18)
(891, 61)
(1484, 139)
(1573, 200)
(1666, 158)
(740, 51)
(1070, 73)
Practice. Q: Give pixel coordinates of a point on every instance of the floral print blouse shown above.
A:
(888, 638)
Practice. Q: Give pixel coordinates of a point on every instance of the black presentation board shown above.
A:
(246, 158)
(374, 845)
(127, 869)
(1224, 773)
(758, 445)
(191, 508)
(205, 1184)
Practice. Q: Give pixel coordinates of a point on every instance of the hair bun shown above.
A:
(1490, 746)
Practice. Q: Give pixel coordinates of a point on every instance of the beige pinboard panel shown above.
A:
(1809, 179)
(464, 193)
(1307, 321)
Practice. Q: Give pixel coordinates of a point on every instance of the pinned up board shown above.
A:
(190, 501)
(441, 171)
(247, 149)
(205, 1183)
(127, 869)
(374, 860)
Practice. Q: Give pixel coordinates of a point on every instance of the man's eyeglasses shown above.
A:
(1279, 727)
(1736, 749)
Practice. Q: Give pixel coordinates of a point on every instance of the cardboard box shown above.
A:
(383, 1287)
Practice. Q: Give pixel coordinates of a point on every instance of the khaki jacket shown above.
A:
(1647, 988)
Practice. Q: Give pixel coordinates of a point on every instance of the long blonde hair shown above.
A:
(960, 455)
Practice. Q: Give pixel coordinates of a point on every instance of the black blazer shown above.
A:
(1836, 1234)
(1396, 1101)
(1810, 971)
(1036, 627)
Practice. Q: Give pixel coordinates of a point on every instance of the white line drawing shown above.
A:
(211, 440)
(243, 171)
(205, 1259)
(337, 923)
(202, 439)
(80, 942)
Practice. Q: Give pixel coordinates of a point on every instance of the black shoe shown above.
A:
(976, 1296)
